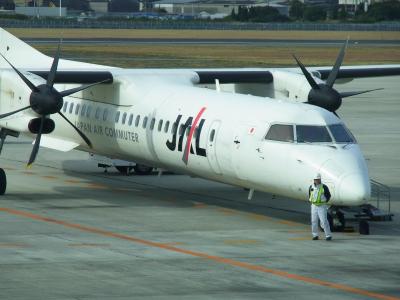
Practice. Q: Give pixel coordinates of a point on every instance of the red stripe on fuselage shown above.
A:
(185, 157)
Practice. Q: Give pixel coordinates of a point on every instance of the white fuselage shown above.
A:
(151, 123)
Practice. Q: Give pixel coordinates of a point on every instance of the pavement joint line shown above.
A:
(218, 259)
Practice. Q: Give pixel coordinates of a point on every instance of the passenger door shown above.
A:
(212, 146)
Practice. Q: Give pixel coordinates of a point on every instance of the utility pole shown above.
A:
(60, 8)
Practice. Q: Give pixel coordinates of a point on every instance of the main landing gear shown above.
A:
(138, 168)
(4, 132)
(3, 182)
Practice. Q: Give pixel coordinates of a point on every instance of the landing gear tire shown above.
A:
(126, 170)
(3, 182)
(142, 169)
(336, 220)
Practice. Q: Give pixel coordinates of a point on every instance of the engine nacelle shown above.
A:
(48, 126)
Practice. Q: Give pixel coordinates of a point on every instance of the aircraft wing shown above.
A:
(266, 75)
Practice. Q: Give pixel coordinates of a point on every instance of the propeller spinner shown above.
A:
(323, 94)
(45, 100)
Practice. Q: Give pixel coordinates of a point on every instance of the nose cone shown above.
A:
(355, 189)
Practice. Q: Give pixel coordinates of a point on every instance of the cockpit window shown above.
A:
(312, 134)
(280, 132)
(341, 134)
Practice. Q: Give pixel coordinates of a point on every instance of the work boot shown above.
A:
(328, 238)
(315, 238)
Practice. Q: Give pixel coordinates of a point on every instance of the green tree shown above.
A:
(7, 4)
(314, 13)
(296, 10)
(123, 6)
(384, 11)
(74, 4)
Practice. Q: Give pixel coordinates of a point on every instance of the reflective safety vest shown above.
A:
(317, 201)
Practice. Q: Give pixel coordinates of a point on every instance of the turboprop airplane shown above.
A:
(267, 130)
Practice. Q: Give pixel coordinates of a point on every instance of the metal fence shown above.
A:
(204, 25)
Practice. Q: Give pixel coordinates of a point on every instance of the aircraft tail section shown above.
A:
(23, 56)
(20, 54)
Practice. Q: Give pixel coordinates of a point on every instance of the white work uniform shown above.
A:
(319, 212)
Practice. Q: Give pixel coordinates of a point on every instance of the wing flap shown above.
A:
(57, 144)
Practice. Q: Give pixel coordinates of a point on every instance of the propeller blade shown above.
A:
(22, 76)
(83, 136)
(349, 94)
(35, 149)
(81, 88)
(13, 112)
(308, 76)
(335, 70)
(54, 66)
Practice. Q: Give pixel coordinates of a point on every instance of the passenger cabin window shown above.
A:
(117, 117)
(212, 135)
(65, 106)
(312, 134)
(71, 108)
(152, 123)
(160, 125)
(83, 111)
(88, 111)
(124, 118)
(105, 114)
(77, 109)
(281, 133)
(341, 134)
(137, 121)
(97, 114)
(166, 127)
(130, 119)
(144, 122)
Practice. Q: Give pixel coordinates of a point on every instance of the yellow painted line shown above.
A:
(227, 211)
(290, 223)
(301, 238)
(49, 177)
(199, 205)
(73, 181)
(214, 258)
(14, 245)
(97, 186)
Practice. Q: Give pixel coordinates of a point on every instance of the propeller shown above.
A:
(45, 100)
(323, 94)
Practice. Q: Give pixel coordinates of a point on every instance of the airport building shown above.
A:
(210, 9)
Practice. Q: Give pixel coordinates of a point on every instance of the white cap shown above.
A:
(318, 176)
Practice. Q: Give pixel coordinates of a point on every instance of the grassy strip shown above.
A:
(178, 56)
(202, 34)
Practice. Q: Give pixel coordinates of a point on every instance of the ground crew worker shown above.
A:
(319, 195)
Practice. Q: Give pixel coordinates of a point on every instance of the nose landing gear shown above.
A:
(336, 219)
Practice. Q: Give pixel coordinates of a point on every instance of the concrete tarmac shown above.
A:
(70, 231)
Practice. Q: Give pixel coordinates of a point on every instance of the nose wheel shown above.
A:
(336, 219)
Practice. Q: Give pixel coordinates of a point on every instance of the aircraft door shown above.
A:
(212, 146)
(243, 150)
